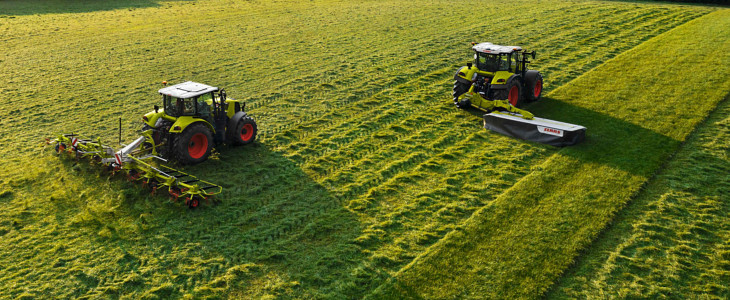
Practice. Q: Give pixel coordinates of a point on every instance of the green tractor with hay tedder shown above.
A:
(194, 117)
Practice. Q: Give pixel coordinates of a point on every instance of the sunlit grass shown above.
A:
(521, 242)
(361, 165)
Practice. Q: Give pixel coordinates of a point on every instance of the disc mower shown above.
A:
(499, 83)
(193, 118)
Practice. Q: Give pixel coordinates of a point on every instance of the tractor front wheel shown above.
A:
(194, 144)
(245, 131)
(459, 89)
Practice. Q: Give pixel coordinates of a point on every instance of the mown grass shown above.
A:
(362, 164)
(672, 240)
(519, 244)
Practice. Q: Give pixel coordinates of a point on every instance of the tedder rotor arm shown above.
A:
(143, 168)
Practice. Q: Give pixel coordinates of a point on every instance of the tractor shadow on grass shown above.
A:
(275, 231)
(609, 141)
(21, 8)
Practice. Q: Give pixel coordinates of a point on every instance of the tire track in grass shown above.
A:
(345, 123)
(266, 225)
(518, 245)
(385, 255)
(388, 68)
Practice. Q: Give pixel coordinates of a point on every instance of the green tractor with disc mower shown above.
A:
(498, 73)
(499, 83)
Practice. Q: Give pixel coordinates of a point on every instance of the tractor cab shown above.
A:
(188, 99)
(492, 58)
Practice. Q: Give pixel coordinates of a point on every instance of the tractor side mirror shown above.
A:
(156, 108)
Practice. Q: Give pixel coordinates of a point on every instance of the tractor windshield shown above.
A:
(492, 62)
(176, 107)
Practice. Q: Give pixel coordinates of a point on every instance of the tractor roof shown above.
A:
(490, 48)
(187, 89)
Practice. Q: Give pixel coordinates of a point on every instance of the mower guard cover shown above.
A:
(537, 130)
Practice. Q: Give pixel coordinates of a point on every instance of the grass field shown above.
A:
(365, 180)
(672, 239)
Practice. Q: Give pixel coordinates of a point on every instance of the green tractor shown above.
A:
(194, 117)
(500, 74)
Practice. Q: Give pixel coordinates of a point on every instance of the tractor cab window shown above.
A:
(169, 104)
(492, 62)
(203, 105)
(179, 107)
(202, 99)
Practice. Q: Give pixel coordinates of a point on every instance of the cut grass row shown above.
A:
(672, 240)
(518, 245)
(361, 166)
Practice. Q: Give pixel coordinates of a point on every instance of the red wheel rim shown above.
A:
(514, 93)
(198, 145)
(538, 88)
(194, 203)
(246, 132)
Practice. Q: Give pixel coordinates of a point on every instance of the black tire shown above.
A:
(459, 89)
(245, 132)
(194, 144)
(513, 93)
(533, 86)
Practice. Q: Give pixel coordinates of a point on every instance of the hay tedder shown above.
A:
(500, 84)
(193, 119)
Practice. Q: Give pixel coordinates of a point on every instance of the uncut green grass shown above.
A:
(361, 165)
(519, 244)
(673, 239)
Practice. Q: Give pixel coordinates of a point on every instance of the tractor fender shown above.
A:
(465, 74)
(184, 121)
(233, 121)
(500, 80)
(531, 75)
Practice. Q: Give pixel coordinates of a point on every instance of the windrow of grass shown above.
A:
(673, 240)
(638, 115)
(361, 164)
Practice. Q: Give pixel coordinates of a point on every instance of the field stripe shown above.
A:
(363, 163)
(672, 240)
(519, 244)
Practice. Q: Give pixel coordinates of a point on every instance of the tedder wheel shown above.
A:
(533, 85)
(513, 93)
(459, 89)
(245, 131)
(60, 147)
(194, 144)
(193, 202)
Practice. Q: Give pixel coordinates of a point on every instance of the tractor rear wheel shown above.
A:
(513, 93)
(459, 89)
(194, 144)
(245, 131)
(533, 85)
